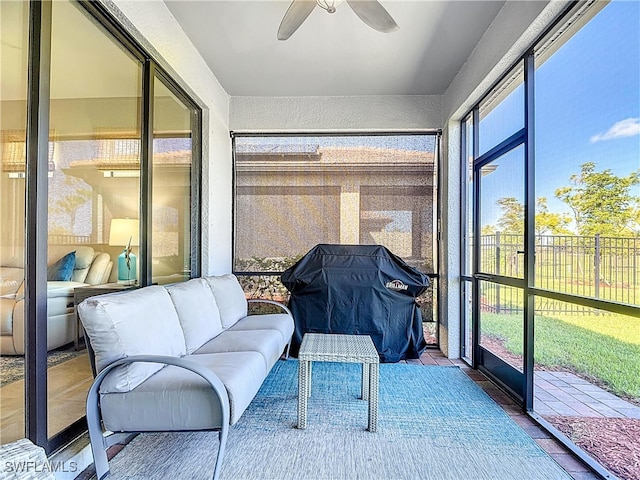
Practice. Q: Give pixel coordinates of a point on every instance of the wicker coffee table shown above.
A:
(327, 347)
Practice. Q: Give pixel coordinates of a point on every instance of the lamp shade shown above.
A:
(124, 229)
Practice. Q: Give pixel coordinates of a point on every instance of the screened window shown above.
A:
(294, 192)
(588, 157)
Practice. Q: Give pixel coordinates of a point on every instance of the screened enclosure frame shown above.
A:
(471, 278)
(434, 190)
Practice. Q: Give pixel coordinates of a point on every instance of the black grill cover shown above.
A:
(358, 289)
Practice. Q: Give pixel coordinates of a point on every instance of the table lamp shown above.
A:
(125, 231)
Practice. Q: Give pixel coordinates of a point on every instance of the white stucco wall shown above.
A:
(151, 23)
(369, 113)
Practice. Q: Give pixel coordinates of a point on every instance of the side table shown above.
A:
(80, 293)
(329, 347)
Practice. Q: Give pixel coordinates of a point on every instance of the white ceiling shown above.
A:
(334, 55)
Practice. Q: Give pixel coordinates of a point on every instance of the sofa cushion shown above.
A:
(63, 268)
(197, 312)
(62, 289)
(230, 298)
(274, 321)
(177, 399)
(99, 271)
(134, 322)
(267, 342)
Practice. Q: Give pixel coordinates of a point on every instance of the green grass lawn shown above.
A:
(606, 347)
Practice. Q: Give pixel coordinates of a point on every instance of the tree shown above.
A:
(512, 219)
(488, 230)
(601, 201)
(76, 196)
(548, 223)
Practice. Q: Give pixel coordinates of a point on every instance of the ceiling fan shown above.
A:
(369, 11)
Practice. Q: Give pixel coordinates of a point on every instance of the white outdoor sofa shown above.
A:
(182, 357)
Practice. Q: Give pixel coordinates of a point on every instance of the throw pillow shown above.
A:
(62, 270)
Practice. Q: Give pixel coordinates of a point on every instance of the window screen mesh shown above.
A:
(295, 192)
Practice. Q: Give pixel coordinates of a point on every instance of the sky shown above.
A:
(587, 106)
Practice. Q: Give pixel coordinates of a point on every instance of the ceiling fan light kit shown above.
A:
(329, 5)
(370, 12)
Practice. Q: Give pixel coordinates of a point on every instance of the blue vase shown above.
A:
(126, 274)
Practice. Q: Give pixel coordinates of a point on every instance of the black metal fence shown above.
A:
(597, 267)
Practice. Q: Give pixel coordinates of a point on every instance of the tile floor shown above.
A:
(555, 449)
(563, 393)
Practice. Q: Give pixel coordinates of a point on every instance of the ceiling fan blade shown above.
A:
(374, 15)
(297, 13)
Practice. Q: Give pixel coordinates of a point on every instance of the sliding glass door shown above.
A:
(80, 150)
(94, 184)
(13, 109)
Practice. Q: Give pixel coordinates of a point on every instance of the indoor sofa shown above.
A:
(181, 357)
(83, 265)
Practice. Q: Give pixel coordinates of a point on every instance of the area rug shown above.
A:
(12, 366)
(434, 423)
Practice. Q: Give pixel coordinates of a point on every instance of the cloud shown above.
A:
(628, 127)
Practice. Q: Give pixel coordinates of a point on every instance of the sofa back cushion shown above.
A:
(99, 270)
(134, 322)
(197, 312)
(230, 298)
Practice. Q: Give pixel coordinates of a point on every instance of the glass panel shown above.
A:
(171, 200)
(502, 111)
(13, 108)
(295, 192)
(94, 188)
(468, 253)
(586, 380)
(502, 322)
(467, 315)
(502, 215)
(587, 167)
(468, 185)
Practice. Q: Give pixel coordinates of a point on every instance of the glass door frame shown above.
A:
(519, 384)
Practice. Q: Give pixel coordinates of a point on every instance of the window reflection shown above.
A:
(13, 107)
(172, 162)
(95, 133)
